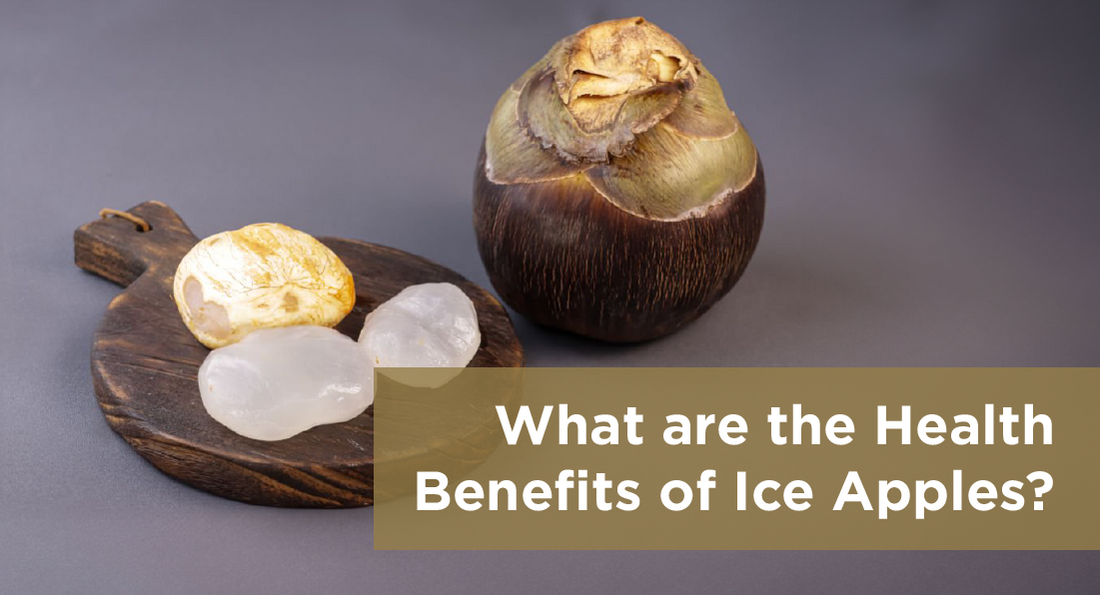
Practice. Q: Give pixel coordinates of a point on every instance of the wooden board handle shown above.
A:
(120, 248)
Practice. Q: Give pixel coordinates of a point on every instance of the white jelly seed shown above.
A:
(275, 383)
(425, 326)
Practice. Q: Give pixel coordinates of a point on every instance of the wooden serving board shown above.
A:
(145, 364)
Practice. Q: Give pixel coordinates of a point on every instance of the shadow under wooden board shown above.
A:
(145, 364)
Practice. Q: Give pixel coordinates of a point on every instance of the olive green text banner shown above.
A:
(713, 458)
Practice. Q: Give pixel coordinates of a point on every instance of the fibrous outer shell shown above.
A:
(261, 276)
(616, 194)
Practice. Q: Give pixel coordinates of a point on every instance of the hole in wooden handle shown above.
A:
(141, 224)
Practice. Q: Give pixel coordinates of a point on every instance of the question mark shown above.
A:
(1048, 482)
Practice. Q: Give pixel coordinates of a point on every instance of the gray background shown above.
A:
(932, 202)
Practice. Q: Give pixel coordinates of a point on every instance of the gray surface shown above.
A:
(932, 202)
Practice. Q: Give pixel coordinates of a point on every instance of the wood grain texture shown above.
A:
(145, 364)
(564, 256)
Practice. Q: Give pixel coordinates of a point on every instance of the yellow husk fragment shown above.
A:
(260, 276)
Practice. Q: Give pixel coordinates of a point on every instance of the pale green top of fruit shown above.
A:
(625, 105)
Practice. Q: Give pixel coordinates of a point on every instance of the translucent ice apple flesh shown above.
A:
(275, 383)
(425, 326)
